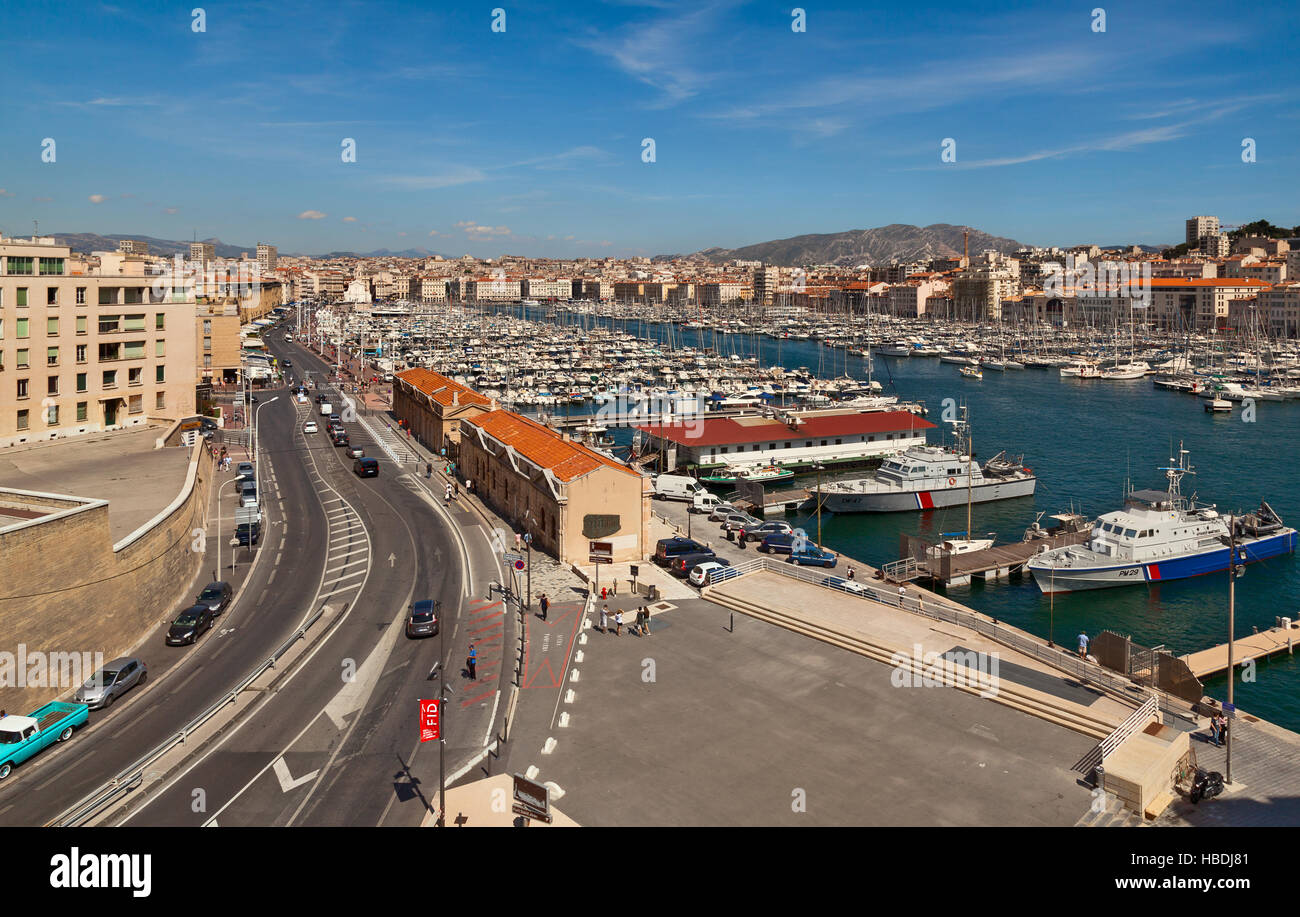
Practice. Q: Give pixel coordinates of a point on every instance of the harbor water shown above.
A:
(1084, 439)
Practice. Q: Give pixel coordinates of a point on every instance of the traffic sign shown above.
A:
(512, 557)
(519, 565)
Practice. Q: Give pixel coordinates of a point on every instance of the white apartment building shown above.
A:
(1199, 305)
(1200, 227)
(536, 288)
(721, 292)
(88, 352)
(495, 289)
(203, 253)
(266, 257)
(433, 289)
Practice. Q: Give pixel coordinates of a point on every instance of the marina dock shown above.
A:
(1258, 645)
(922, 560)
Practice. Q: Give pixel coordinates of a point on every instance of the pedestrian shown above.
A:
(1083, 646)
(613, 587)
(640, 620)
(456, 487)
(902, 593)
(604, 619)
(647, 620)
(472, 663)
(1223, 729)
(850, 573)
(1214, 729)
(618, 623)
(740, 538)
(469, 485)
(428, 469)
(546, 605)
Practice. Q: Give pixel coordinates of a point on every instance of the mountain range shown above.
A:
(93, 242)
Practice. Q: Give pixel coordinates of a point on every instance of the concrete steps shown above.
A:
(1009, 695)
(1114, 815)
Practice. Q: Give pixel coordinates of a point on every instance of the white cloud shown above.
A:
(432, 232)
(455, 175)
(311, 215)
(97, 198)
(349, 219)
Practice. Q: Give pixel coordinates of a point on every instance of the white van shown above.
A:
(676, 487)
(326, 409)
(704, 502)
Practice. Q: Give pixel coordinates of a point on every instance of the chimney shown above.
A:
(455, 398)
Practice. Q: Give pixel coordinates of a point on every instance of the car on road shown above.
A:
(812, 556)
(309, 427)
(737, 521)
(191, 624)
(422, 619)
(111, 682)
(847, 585)
(366, 468)
(722, 511)
(682, 564)
(322, 398)
(340, 438)
(356, 452)
(216, 596)
(668, 548)
(767, 528)
(336, 419)
(248, 533)
(704, 573)
(287, 364)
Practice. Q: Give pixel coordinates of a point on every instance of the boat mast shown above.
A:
(970, 470)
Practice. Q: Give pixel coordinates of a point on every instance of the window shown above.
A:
(81, 410)
(135, 404)
(159, 373)
(134, 375)
(81, 353)
(207, 343)
(52, 415)
(110, 378)
(52, 266)
(23, 354)
(2, 328)
(160, 348)
(51, 296)
(109, 323)
(51, 356)
(52, 326)
(81, 296)
(22, 296)
(787, 445)
(22, 388)
(133, 323)
(110, 352)
(81, 383)
(23, 423)
(207, 326)
(207, 361)
(159, 321)
(134, 295)
(160, 401)
(23, 327)
(20, 265)
(133, 350)
(81, 324)
(52, 385)
(108, 297)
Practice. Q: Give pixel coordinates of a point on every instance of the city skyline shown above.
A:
(531, 140)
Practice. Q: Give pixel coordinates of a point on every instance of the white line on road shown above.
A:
(287, 782)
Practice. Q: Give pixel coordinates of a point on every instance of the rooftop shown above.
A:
(726, 431)
(566, 459)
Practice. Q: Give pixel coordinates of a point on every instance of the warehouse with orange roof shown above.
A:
(433, 406)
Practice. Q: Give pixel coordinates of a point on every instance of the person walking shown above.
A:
(1223, 728)
(613, 586)
(448, 495)
(455, 485)
(1083, 646)
(1214, 729)
(471, 662)
(647, 620)
(618, 623)
(546, 605)
(640, 620)
(604, 619)
(850, 573)
(428, 469)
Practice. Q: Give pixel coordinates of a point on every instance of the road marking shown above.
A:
(351, 563)
(287, 782)
(271, 579)
(340, 579)
(492, 719)
(277, 559)
(564, 720)
(549, 746)
(569, 696)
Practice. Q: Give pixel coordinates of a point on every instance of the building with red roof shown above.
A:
(433, 406)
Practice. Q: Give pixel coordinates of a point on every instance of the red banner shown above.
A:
(430, 729)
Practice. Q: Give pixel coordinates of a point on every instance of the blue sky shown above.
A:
(529, 141)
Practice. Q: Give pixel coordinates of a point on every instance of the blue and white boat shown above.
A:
(1159, 535)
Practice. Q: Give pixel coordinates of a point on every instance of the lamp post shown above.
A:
(528, 547)
(442, 714)
(238, 477)
(259, 407)
(1234, 570)
(819, 506)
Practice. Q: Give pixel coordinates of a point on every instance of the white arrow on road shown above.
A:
(391, 559)
(287, 782)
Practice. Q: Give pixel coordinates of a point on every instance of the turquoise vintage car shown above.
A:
(23, 736)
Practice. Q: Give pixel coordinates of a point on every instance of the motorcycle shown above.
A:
(1206, 785)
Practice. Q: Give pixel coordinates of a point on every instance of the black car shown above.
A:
(683, 564)
(216, 596)
(340, 438)
(668, 548)
(286, 363)
(422, 621)
(366, 468)
(248, 533)
(192, 623)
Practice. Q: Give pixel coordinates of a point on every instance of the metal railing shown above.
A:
(133, 775)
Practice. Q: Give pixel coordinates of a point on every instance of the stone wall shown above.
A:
(67, 588)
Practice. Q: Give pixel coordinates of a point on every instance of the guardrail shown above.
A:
(940, 610)
(133, 775)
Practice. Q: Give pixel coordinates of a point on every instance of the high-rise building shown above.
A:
(132, 247)
(266, 257)
(203, 252)
(765, 283)
(1200, 227)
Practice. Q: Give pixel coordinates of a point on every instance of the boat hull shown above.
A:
(898, 501)
(1214, 560)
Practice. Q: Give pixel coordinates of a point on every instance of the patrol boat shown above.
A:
(1159, 535)
(930, 477)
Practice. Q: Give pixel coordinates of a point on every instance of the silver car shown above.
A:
(721, 511)
(111, 682)
(737, 521)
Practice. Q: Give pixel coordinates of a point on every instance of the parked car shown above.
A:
(847, 585)
(422, 620)
(355, 452)
(216, 596)
(191, 624)
(246, 469)
(700, 572)
(811, 555)
(24, 736)
(309, 427)
(248, 533)
(334, 418)
(782, 543)
(111, 682)
(366, 468)
(737, 521)
(722, 511)
(767, 528)
(681, 564)
(668, 548)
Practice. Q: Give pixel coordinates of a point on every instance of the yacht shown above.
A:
(1159, 535)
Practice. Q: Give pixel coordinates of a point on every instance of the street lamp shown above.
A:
(818, 466)
(259, 408)
(1235, 569)
(528, 547)
(238, 477)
